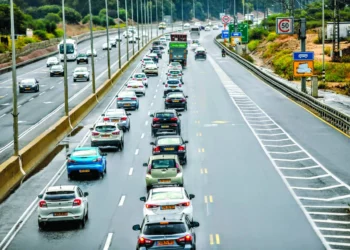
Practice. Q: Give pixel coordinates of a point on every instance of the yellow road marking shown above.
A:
(202, 150)
(199, 150)
(211, 239)
(211, 199)
(201, 171)
(205, 199)
(217, 239)
(1, 96)
(198, 134)
(198, 122)
(220, 122)
(205, 171)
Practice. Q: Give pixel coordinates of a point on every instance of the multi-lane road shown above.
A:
(266, 173)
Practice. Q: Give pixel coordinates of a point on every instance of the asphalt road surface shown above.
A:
(266, 173)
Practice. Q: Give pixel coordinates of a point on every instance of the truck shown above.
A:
(178, 48)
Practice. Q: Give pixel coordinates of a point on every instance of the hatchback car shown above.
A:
(157, 52)
(137, 87)
(175, 74)
(172, 231)
(174, 66)
(127, 100)
(170, 144)
(107, 134)
(172, 85)
(151, 69)
(140, 77)
(167, 37)
(82, 58)
(200, 54)
(148, 62)
(163, 170)
(154, 57)
(28, 85)
(62, 203)
(106, 46)
(52, 61)
(176, 100)
(168, 200)
(166, 122)
(88, 52)
(118, 116)
(86, 160)
(56, 70)
(81, 74)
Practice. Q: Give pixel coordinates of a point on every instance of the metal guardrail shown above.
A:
(327, 113)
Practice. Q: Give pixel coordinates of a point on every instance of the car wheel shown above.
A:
(121, 146)
(41, 225)
(102, 174)
(129, 128)
(153, 134)
(70, 176)
(87, 215)
(50, 75)
(124, 129)
(82, 222)
(37, 89)
(20, 91)
(74, 80)
(186, 107)
(144, 94)
(88, 79)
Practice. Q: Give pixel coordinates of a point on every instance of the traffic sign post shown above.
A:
(303, 64)
(243, 29)
(236, 38)
(284, 25)
(226, 19)
(225, 34)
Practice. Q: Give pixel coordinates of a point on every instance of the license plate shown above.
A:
(135, 87)
(127, 104)
(173, 87)
(167, 207)
(165, 242)
(57, 73)
(105, 135)
(115, 120)
(27, 88)
(169, 149)
(176, 101)
(84, 171)
(80, 76)
(60, 214)
(139, 79)
(164, 180)
(165, 126)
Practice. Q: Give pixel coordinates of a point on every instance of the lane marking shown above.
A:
(2, 115)
(42, 93)
(291, 160)
(146, 123)
(31, 99)
(3, 96)
(5, 104)
(149, 112)
(324, 199)
(152, 104)
(121, 202)
(307, 178)
(137, 152)
(326, 213)
(108, 241)
(317, 189)
(217, 237)
(52, 87)
(130, 171)
(154, 96)
(211, 199)
(302, 168)
(143, 135)
(211, 239)
(19, 106)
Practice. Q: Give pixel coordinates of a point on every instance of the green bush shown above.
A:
(58, 33)
(95, 20)
(39, 24)
(248, 57)
(41, 34)
(50, 27)
(103, 21)
(253, 44)
(50, 36)
(322, 85)
(72, 16)
(283, 64)
(327, 51)
(42, 11)
(3, 48)
(271, 49)
(257, 33)
(313, 24)
(272, 36)
(345, 59)
(335, 72)
(27, 40)
(52, 17)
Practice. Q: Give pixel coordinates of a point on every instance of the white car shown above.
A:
(132, 40)
(52, 61)
(146, 59)
(105, 46)
(194, 46)
(107, 134)
(207, 28)
(199, 48)
(141, 77)
(147, 63)
(81, 74)
(172, 84)
(151, 69)
(215, 27)
(168, 200)
(88, 52)
(187, 26)
(137, 87)
(113, 43)
(62, 203)
(163, 40)
(127, 34)
(175, 65)
(197, 24)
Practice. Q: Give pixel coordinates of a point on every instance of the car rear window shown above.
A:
(175, 95)
(126, 94)
(59, 195)
(84, 153)
(169, 141)
(165, 115)
(173, 82)
(163, 163)
(200, 52)
(140, 75)
(105, 128)
(28, 81)
(174, 72)
(164, 229)
(115, 113)
(56, 67)
(166, 195)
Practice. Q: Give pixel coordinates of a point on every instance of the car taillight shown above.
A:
(116, 133)
(129, 86)
(156, 149)
(141, 86)
(71, 161)
(106, 118)
(177, 168)
(77, 202)
(168, 100)
(145, 79)
(143, 241)
(184, 204)
(119, 99)
(174, 119)
(149, 169)
(151, 206)
(180, 85)
(98, 160)
(134, 78)
(134, 98)
(95, 133)
(181, 148)
(183, 100)
(124, 118)
(180, 74)
(155, 119)
(42, 204)
(166, 85)
(185, 239)
(169, 74)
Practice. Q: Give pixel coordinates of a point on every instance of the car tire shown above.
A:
(41, 225)
(178, 131)
(87, 214)
(82, 222)
(20, 91)
(88, 79)
(124, 129)
(37, 89)
(101, 175)
(74, 80)
(70, 176)
(129, 127)
(186, 107)
(153, 133)
(121, 146)
(51, 75)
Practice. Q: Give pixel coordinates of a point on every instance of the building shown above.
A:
(344, 30)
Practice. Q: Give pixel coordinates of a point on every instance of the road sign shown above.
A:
(225, 34)
(243, 28)
(226, 19)
(236, 34)
(303, 68)
(303, 56)
(284, 25)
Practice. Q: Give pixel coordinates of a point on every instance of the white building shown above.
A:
(344, 30)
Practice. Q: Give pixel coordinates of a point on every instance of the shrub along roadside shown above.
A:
(253, 44)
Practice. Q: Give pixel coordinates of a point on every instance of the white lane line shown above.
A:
(156, 90)
(334, 229)
(143, 135)
(318, 206)
(327, 213)
(275, 140)
(318, 189)
(307, 178)
(149, 112)
(333, 221)
(42, 93)
(326, 199)
(154, 96)
(152, 104)
(130, 171)
(146, 123)
(121, 202)
(262, 125)
(272, 134)
(286, 153)
(108, 241)
(266, 129)
(157, 85)
(52, 87)
(137, 152)
(5, 104)
(2, 115)
(292, 160)
(338, 244)
(281, 146)
(19, 106)
(31, 99)
(302, 168)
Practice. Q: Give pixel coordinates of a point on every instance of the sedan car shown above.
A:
(82, 58)
(118, 116)
(172, 84)
(207, 28)
(140, 77)
(106, 46)
(88, 52)
(81, 74)
(215, 27)
(57, 70)
(175, 74)
(150, 69)
(52, 61)
(137, 87)
(127, 100)
(157, 52)
(168, 200)
(174, 66)
(163, 40)
(154, 57)
(86, 160)
(28, 85)
(62, 203)
(176, 100)
(170, 144)
(113, 43)
(107, 134)
(171, 231)
(163, 170)
(165, 122)
(146, 59)
(132, 40)
(200, 54)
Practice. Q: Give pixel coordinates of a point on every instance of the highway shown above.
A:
(267, 174)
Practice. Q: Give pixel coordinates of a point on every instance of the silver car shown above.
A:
(62, 203)
(107, 134)
(52, 61)
(127, 100)
(151, 69)
(81, 74)
(88, 52)
(118, 116)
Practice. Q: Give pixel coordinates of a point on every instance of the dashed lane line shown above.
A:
(122, 200)
(131, 171)
(108, 241)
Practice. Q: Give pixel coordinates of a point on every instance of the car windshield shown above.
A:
(176, 95)
(175, 64)
(116, 113)
(173, 82)
(200, 52)
(127, 94)
(169, 141)
(150, 62)
(163, 163)
(58, 67)
(28, 81)
(80, 70)
(105, 128)
(166, 195)
(81, 55)
(52, 59)
(139, 76)
(59, 195)
(84, 153)
(164, 229)
(164, 115)
(156, 51)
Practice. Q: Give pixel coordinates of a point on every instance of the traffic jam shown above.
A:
(168, 213)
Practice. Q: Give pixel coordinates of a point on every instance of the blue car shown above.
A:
(127, 100)
(86, 160)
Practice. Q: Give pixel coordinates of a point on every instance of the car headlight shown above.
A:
(74, 75)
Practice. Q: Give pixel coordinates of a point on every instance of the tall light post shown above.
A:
(157, 24)
(119, 40)
(108, 54)
(171, 15)
(14, 84)
(208, 9)
(66, 108)
(194, 9)
(138, 27)
(142, 20)
(92, 52)
(133, 31)
(323, 35)
(148, 21)
(182, 14)
(151, 10)
(127, 30)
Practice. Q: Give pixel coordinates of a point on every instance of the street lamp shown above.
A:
(157, 16)
(151, 10)
(119, 40)
(323, 35)
(171, 15)
(208, 9)
(142, 20)
(127, 30)
(108, 54)
(92, 52)
(132, 25)
(138, 27)
(194, 9)
(182, 14)
(66, 108)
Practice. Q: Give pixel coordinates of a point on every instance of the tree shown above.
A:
(52, 17)
(19, 17)
(72, 16)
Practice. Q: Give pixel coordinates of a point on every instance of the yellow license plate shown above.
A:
(60, 214)
(176, 101)
(127, 104)
(80, 76)
(168, 207)
(105, 135)
(135, 87)
(84, 171)
(165, 126)
(165, 242)
(168, 149)
(164, 180)
(27, 88)
(173, 87)
(139, 79)
(115, 120)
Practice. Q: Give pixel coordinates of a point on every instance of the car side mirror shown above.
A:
(186, 96)
(36, 81)
(179, 115)
(151, 115)
(195, 224)
(163, 83)
(191, 196)
(152, 143)
(91, 129)
(68, 155)
(186, 142)
(103, 115)
(116, 96)
(137, 227)
(40, 196)
(145, 164)
(128, 113)
(143, 198)
(87, 194)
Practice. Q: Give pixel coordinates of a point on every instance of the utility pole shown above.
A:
(127, 30)
(182, 14)
(323, 34)
(208, 9)
(108, 54)
(133, 26)
(303, 48)
(235, 15)
(66, 108)
(138, 27)
(157, 24)
(92, 52)
(151, 10)
(14, 84)
(142, 20)
(119, 39)
(194, 9)
(171, 15)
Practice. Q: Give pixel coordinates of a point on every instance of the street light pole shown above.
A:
(151, 10)
(132, 25)
(142, 20)
(157, 24)
(182, 14)
(108, 54)
(14, 84)
(66, 108)
(92, 52)
(119, 40)
(323, 35)
(127, 30)
(194, 9)
(138, 27)
(171, 15)
(208, 9)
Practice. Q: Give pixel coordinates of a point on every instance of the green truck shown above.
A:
(178, 49)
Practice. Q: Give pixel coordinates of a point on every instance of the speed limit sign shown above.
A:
(285, 25)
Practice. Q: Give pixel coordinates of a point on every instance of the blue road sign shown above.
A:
(236, 34)
(225, 34)
(303, 56)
